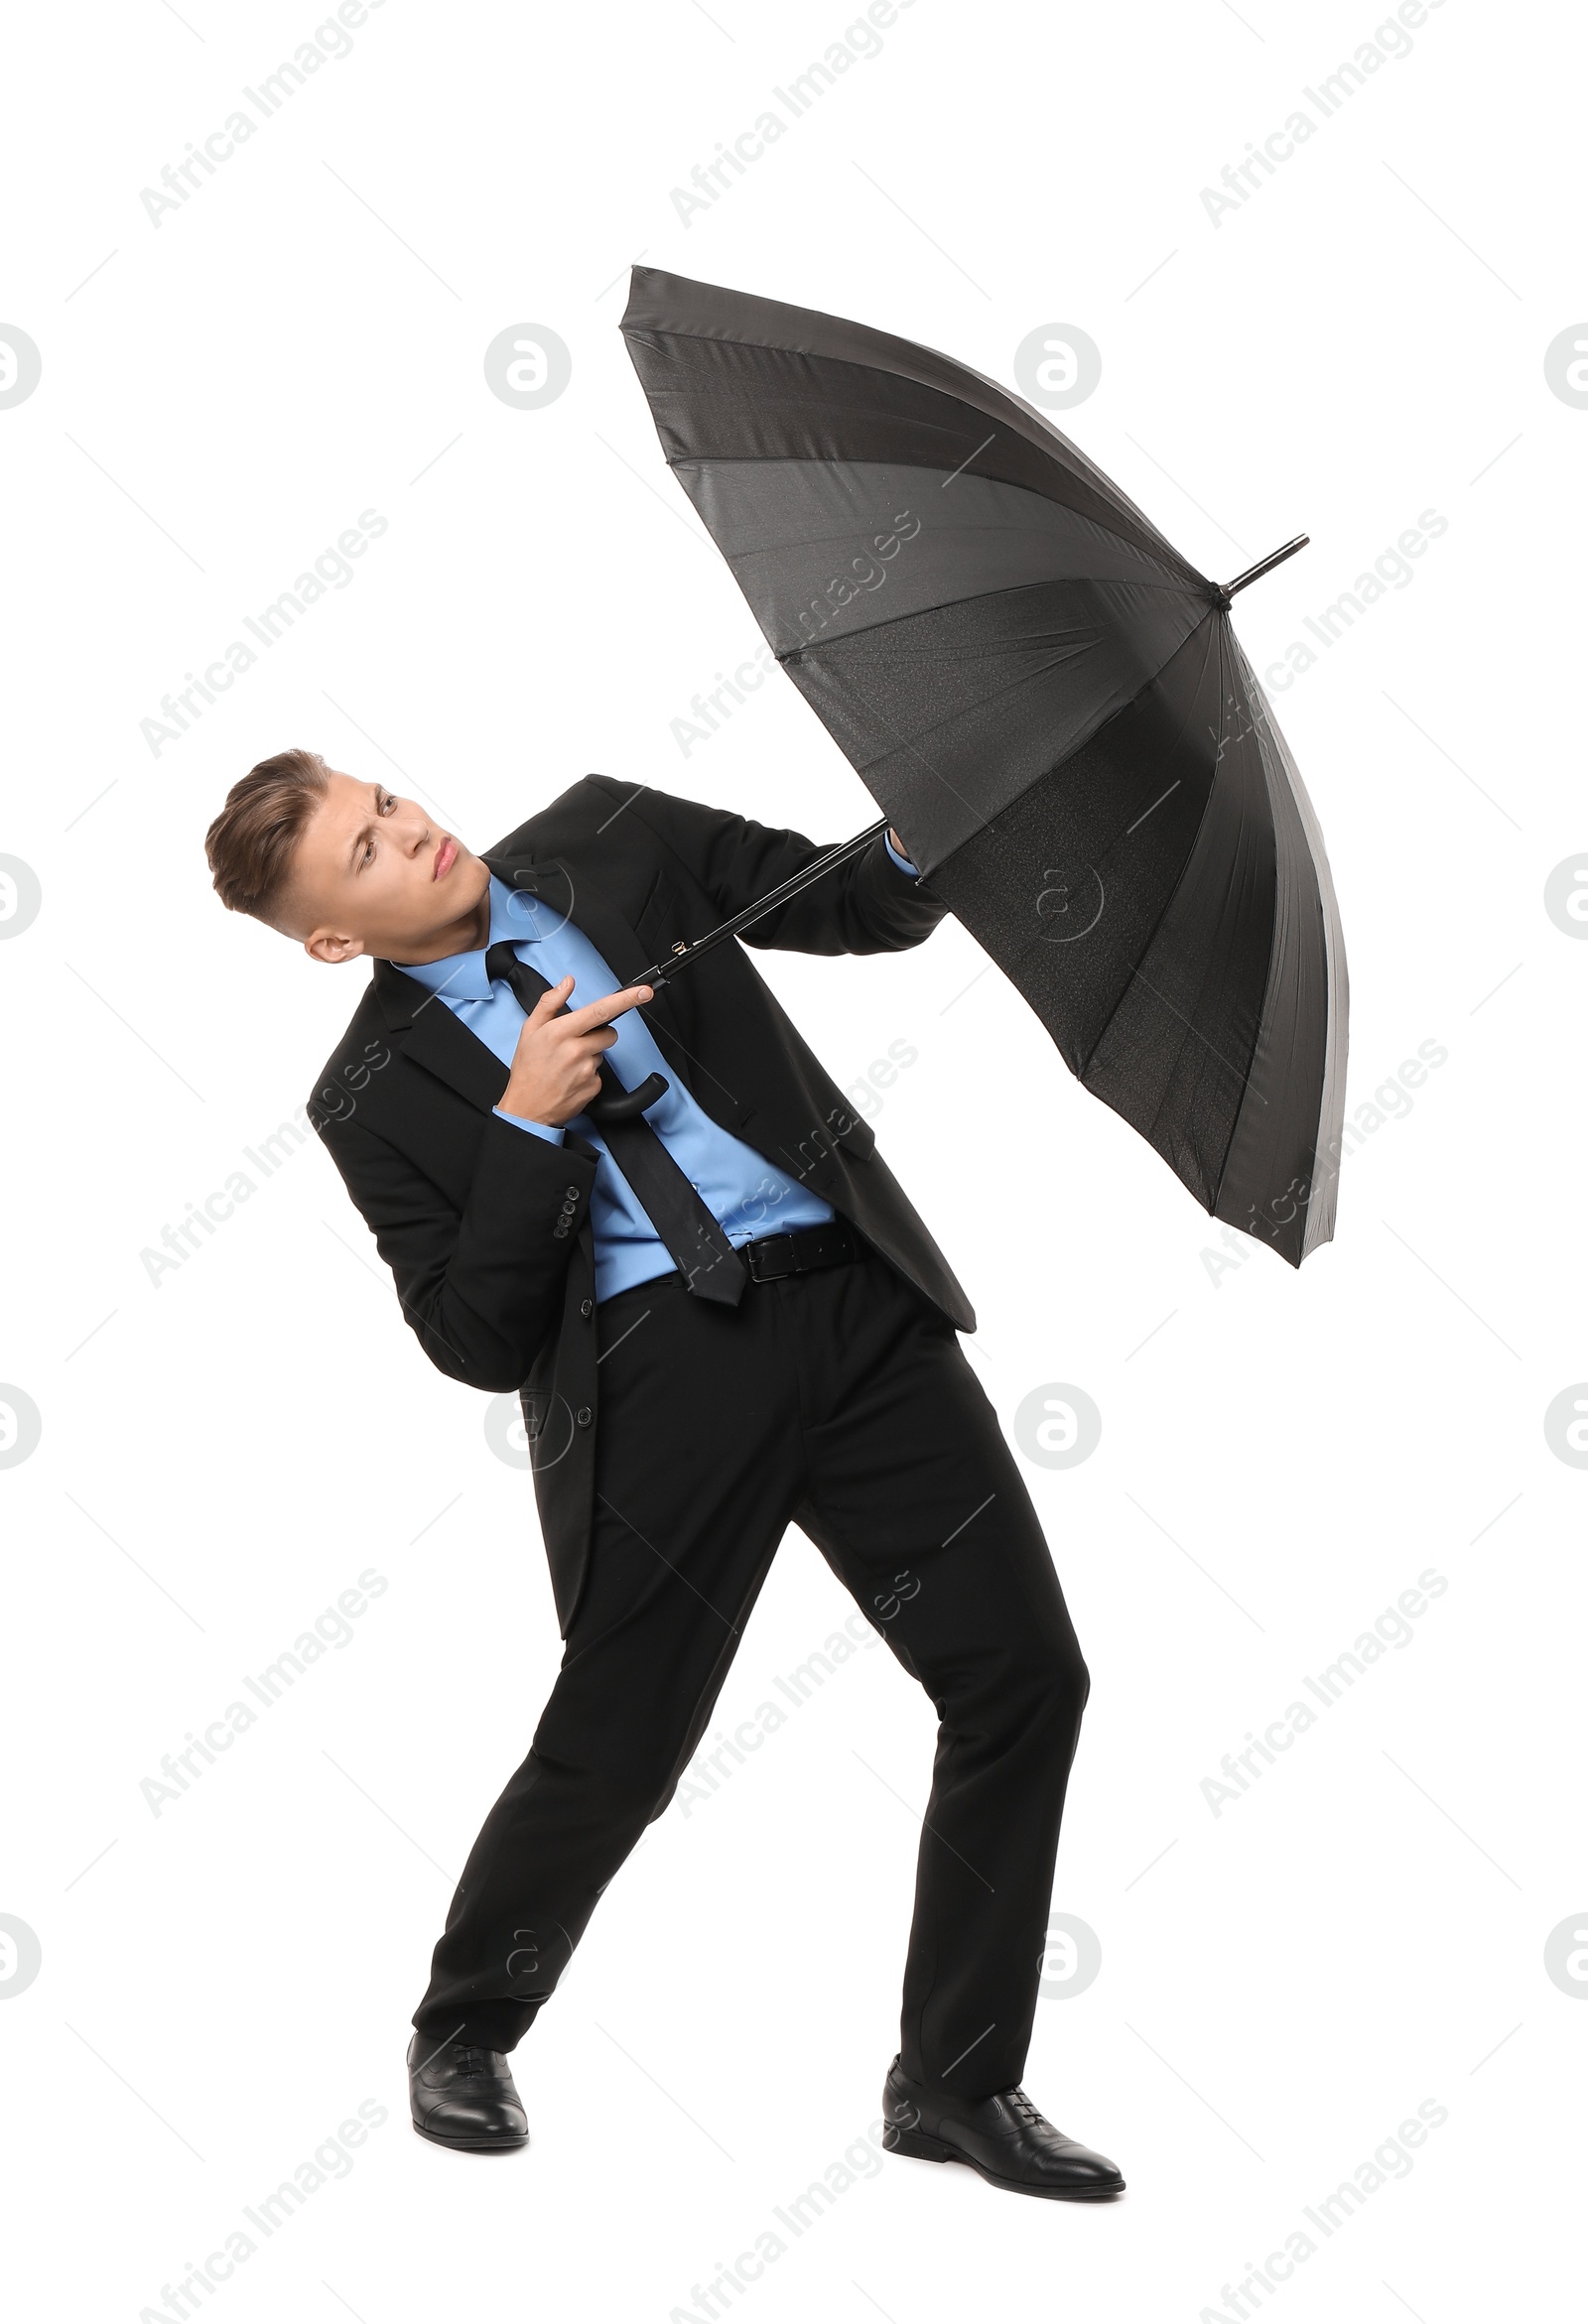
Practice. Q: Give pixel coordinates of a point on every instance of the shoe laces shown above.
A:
(467, 2061)
(1022, 2106)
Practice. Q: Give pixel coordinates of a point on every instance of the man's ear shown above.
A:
(326, 945)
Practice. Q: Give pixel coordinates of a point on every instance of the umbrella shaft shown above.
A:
(683, 953)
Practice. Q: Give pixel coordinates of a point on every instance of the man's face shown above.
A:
(373, 873)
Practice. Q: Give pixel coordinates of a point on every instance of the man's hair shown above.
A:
(253, 840)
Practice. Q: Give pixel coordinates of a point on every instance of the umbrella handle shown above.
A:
(624, 1104)
(630, 1104)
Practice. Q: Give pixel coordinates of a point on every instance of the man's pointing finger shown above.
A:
(601, 1012)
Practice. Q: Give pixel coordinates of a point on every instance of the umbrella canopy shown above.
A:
(1050, 704)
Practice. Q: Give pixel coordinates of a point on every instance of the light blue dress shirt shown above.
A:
(746, 1194)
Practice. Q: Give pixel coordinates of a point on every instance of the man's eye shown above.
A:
(369, 852)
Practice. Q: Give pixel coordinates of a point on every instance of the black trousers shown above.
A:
(841, 1401)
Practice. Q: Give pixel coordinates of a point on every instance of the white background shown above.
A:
(223, 1453)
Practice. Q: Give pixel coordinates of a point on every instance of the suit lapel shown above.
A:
(437, 1041)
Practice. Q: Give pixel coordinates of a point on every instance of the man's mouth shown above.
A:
(446, 857)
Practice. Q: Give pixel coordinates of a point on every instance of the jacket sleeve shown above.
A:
(866, 905)
(484, 1289)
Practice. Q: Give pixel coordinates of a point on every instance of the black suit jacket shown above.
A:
(485, 1229)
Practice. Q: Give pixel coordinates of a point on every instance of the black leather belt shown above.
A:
(773, 1256)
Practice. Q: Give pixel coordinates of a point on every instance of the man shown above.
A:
(669, 1232)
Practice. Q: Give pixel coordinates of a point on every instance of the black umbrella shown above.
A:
(1051, 706)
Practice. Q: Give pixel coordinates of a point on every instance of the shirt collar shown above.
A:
(462, 975)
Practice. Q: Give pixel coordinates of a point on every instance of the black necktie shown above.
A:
(702, 1252)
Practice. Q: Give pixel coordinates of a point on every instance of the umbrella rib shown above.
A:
(1214, 635)
(1225, 666)
(1028, 952)
(1135, 971)
(947, 781)
(1089, 514)
(927, 653)
(815, 646)
(1211, 1047)
(975, 598)
(982, 822)
(1149, 542)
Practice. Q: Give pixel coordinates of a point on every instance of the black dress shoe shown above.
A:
(1003, 2137)
(463, 2096)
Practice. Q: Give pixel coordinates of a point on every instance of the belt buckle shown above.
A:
(762, 1270)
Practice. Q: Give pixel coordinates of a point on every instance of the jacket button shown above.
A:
(584, 1416)
(587, 1307)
